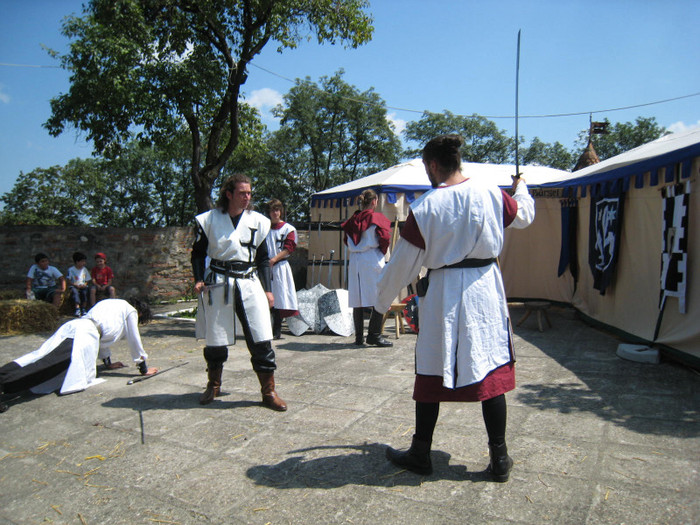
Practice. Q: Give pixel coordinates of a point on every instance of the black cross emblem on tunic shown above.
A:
(250, 244)
(281, 244)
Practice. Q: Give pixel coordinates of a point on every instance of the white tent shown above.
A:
(531, 258)
(631, 305)
(409, 179)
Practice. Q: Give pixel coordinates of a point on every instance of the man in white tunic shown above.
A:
(66, 361)
(281, 243)
(464, 347)
(237, 279)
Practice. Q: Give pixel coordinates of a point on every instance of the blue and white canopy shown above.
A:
(672, 153)
(410, 177)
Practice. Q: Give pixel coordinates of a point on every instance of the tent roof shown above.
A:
(665, 152)
(410, 176)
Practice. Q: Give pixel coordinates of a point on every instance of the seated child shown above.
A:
(78, 278)
(41, 281)
(102, 276)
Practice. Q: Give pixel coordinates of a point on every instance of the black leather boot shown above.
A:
(501, 463)
(374, 332)
(276, 324)
(215, 356)
(416, 459)
(358, 318)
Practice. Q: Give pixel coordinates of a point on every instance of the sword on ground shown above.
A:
(143, 378)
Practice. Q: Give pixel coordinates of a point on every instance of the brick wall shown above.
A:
(152, 263)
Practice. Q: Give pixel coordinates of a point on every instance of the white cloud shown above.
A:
(264, 100)
(680, 126)
(399, 124)
(4, 97)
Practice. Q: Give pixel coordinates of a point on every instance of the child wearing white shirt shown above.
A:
(78, 278)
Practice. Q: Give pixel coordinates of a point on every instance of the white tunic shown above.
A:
(115, 319)
(464, 324)
(283, 287)
(364, 270)
(215, 322)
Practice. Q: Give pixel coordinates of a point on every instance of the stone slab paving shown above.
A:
(595, 439)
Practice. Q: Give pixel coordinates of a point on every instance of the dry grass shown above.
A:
(19, 316)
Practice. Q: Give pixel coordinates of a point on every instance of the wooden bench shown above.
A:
(540, 307)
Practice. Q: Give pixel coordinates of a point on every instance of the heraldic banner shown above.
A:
(604, 235)
(674, 253)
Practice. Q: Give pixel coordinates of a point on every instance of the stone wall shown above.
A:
(152, 262)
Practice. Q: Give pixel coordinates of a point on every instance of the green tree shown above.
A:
(545, 154)
(330, 133)
(140, 187)
(152, 65)
(483, 141)
(45, 196)
(622, 136)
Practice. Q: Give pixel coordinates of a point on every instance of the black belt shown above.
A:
(422, 284)
(235, 269)
(470, 263)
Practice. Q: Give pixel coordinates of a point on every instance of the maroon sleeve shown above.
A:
(383, 236)
(510, 209)
(290, 243)
(411, 232)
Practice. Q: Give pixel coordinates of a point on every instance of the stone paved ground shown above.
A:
(596, 440)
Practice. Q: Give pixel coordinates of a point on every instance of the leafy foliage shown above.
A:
(483, 141)
(622, 136)
(330, 133)
(139, 188)
(151, 66)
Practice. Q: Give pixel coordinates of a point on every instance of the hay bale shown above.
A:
(19, 316)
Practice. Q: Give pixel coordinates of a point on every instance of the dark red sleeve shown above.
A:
(290, 243)
(510, 209)
(411, 232)
(383, 236)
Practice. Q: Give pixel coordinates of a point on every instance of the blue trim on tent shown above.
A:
(390, 191)
(669, 160)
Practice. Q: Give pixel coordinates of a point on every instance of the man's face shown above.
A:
(43, 264)
(240, 198)
(275, 215)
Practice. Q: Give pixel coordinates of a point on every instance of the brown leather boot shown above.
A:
(213, 386)
(269, 397)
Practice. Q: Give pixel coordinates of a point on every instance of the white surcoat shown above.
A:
(215, 312)
(464, 324)
(106, 323)
(364, 269)
(283, 287)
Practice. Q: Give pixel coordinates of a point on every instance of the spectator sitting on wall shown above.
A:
(79, 277)
(44, 280)
(102, 277)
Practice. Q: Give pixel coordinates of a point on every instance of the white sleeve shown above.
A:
(526, 207)
(133, 337)
(404, 266)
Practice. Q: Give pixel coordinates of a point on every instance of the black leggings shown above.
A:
(494, 411)
(15, 378)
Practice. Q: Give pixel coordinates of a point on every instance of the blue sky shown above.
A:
(459, 55)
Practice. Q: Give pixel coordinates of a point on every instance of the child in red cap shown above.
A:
(102, 276)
